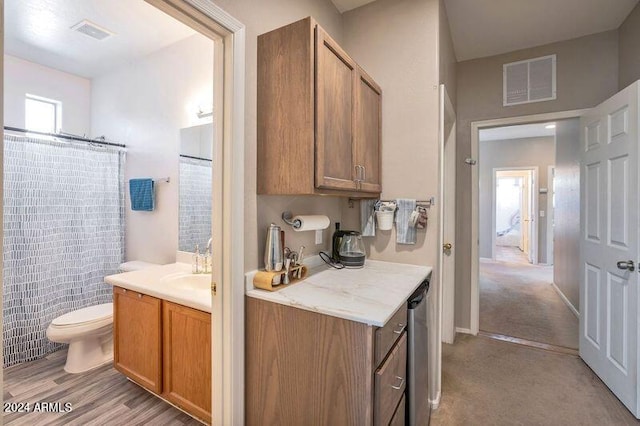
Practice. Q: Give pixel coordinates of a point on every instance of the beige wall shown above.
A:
(396, 41)
(567, 212)
(629, 39)
(260, 17)
(447, 56)
(535, 152)
(587, 74)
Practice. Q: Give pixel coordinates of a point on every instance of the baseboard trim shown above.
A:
(435, 403)
(463, 330)
(566, 301)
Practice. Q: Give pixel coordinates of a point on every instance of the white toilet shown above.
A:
(89, 331)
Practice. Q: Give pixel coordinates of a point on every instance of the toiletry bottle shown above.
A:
(207, 261)
(195, 264)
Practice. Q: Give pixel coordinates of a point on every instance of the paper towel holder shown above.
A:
(287, 217)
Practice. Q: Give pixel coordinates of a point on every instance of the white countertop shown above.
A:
(369, 295)
(149, 282)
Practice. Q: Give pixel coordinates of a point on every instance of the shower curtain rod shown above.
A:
(194, 158)
(56, 135)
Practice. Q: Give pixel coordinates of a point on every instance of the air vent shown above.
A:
(92, 30)
(533, 80)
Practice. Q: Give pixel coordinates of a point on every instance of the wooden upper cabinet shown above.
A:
(137, 332)
(335, 121)
(318, 130)
(368, 132)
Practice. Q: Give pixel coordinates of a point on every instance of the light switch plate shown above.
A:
(541, 213)
(318, 236)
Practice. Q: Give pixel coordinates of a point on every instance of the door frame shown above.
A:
(227, 286)
(550, 213)
(476, 126)
(533, 239)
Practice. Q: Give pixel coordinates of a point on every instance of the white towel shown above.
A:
(367, 220)
(405, 233)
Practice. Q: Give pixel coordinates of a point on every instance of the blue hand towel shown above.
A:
(142, 194)
(405, 233)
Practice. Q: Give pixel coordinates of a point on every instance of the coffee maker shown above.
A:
(347, 248)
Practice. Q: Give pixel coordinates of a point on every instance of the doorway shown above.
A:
(517, 294)
(227, 290)
(514, 232)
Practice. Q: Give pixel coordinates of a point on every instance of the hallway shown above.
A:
(489, 382)
(518, 299)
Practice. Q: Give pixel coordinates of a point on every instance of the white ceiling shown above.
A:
(516, 132)
(347, 5)
(39, 31)
(482, 28)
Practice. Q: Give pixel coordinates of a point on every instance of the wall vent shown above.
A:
(533, 80)
(92, 30)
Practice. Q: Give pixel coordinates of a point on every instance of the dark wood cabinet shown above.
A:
(319, 116)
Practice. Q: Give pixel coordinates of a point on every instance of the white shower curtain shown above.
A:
(63, 232)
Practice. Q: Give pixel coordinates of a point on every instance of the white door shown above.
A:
(609, 244)
(447, 213)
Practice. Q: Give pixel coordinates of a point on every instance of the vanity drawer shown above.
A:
(390, 383)
(386, 336)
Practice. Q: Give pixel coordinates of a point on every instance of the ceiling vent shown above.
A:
(533, 80)
(92, 30)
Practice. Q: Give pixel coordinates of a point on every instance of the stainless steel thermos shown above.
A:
(273, 251)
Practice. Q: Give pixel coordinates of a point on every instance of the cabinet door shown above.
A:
(368, 132)
(187, 359)
(335, 118)
(137, 333)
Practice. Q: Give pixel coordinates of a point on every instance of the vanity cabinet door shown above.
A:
(137, 337)
(187, 359)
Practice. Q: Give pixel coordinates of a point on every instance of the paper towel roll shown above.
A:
(310, 222)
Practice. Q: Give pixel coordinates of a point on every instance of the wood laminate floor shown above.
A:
(100, 397)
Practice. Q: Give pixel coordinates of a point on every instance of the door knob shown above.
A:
(626, 264)
(447, 246)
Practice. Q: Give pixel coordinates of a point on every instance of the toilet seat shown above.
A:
(85, 316)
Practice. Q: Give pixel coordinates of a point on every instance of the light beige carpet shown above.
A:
(488, 382)
(518, 299)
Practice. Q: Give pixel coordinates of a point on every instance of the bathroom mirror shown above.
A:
(194, 216)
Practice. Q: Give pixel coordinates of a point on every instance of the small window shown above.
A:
(42, 114)
(533, 80)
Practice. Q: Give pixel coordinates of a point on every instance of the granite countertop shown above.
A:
(152, 282)
(369, 295)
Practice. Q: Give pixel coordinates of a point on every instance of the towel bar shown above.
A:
(423, 203)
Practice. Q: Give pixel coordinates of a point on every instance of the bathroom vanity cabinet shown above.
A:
(319, 116)
(307, 368)
(164, 347)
